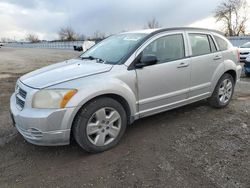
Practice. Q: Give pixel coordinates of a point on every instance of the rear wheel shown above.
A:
(223, 92)
(100, 125)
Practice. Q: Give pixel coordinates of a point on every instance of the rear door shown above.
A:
(205, 59)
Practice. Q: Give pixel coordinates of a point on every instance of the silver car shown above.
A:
(125, 77)
(244, 51)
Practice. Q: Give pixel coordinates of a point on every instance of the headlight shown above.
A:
(54, 98)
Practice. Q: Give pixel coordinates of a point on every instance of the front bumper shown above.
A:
(47, 127)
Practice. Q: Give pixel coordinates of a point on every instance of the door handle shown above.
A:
(182, 65)
(218, 57)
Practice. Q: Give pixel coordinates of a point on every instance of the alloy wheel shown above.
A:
(104, 126)
(225, 91)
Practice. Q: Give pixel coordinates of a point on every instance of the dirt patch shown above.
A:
(21, 60)
(243, 97)
(7, 86)
(5, 76)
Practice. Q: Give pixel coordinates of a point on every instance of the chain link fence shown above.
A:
(55, 45)
(239, 41)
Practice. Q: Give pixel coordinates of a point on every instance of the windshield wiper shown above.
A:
(93, 58)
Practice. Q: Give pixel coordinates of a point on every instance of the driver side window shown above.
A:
(167, 48)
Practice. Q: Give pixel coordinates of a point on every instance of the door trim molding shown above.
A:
(164, 96)
(173, 105)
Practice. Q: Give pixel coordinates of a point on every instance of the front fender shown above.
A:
(114, 86)
(89, 89)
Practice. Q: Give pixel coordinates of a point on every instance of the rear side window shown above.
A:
(222, 44)
(167, 48)
(200, 44)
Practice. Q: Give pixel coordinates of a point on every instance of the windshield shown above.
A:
(246, 45)
(114, 48)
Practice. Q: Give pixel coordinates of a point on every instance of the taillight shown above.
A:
(238, 52)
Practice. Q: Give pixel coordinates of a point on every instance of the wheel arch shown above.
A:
(233, 74)
(228, 66)
(117, 97)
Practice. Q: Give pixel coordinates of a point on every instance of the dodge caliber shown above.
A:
(127, 76)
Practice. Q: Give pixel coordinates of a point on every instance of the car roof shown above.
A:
(159, 30)
(146, 31)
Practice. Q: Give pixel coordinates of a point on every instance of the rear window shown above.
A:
(222, 44)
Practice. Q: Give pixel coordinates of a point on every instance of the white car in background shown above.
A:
(244, 51)
(87, 45)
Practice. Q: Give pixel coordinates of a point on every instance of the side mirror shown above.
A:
(146, 60)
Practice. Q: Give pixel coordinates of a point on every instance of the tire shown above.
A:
(216, 100)
(95, 127)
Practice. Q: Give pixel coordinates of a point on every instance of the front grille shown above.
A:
(20, 97)
(20, 102)
(244, 53)
(30, 133)
(22, 93)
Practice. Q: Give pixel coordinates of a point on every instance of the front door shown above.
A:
(166, 84)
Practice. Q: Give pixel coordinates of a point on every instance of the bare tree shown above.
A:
(32, 38)
(3, 40)
(80, 37)
(6, 40)
(151, 24)
(233, 14)
(97, 36)
(67, 33)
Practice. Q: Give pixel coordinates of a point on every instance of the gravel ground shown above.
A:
(192, 146)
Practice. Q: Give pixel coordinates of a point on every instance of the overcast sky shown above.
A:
(45, 17)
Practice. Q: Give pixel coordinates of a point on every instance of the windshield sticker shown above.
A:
(131, 38)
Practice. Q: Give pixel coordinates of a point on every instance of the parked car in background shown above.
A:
(247, 66)
(77, 48)
(125, 77)
(244, 51)
(85, 46)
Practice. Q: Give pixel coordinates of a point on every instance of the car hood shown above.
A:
(62, 72)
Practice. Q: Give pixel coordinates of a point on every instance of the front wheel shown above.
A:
(100, 125)
(223, 92)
